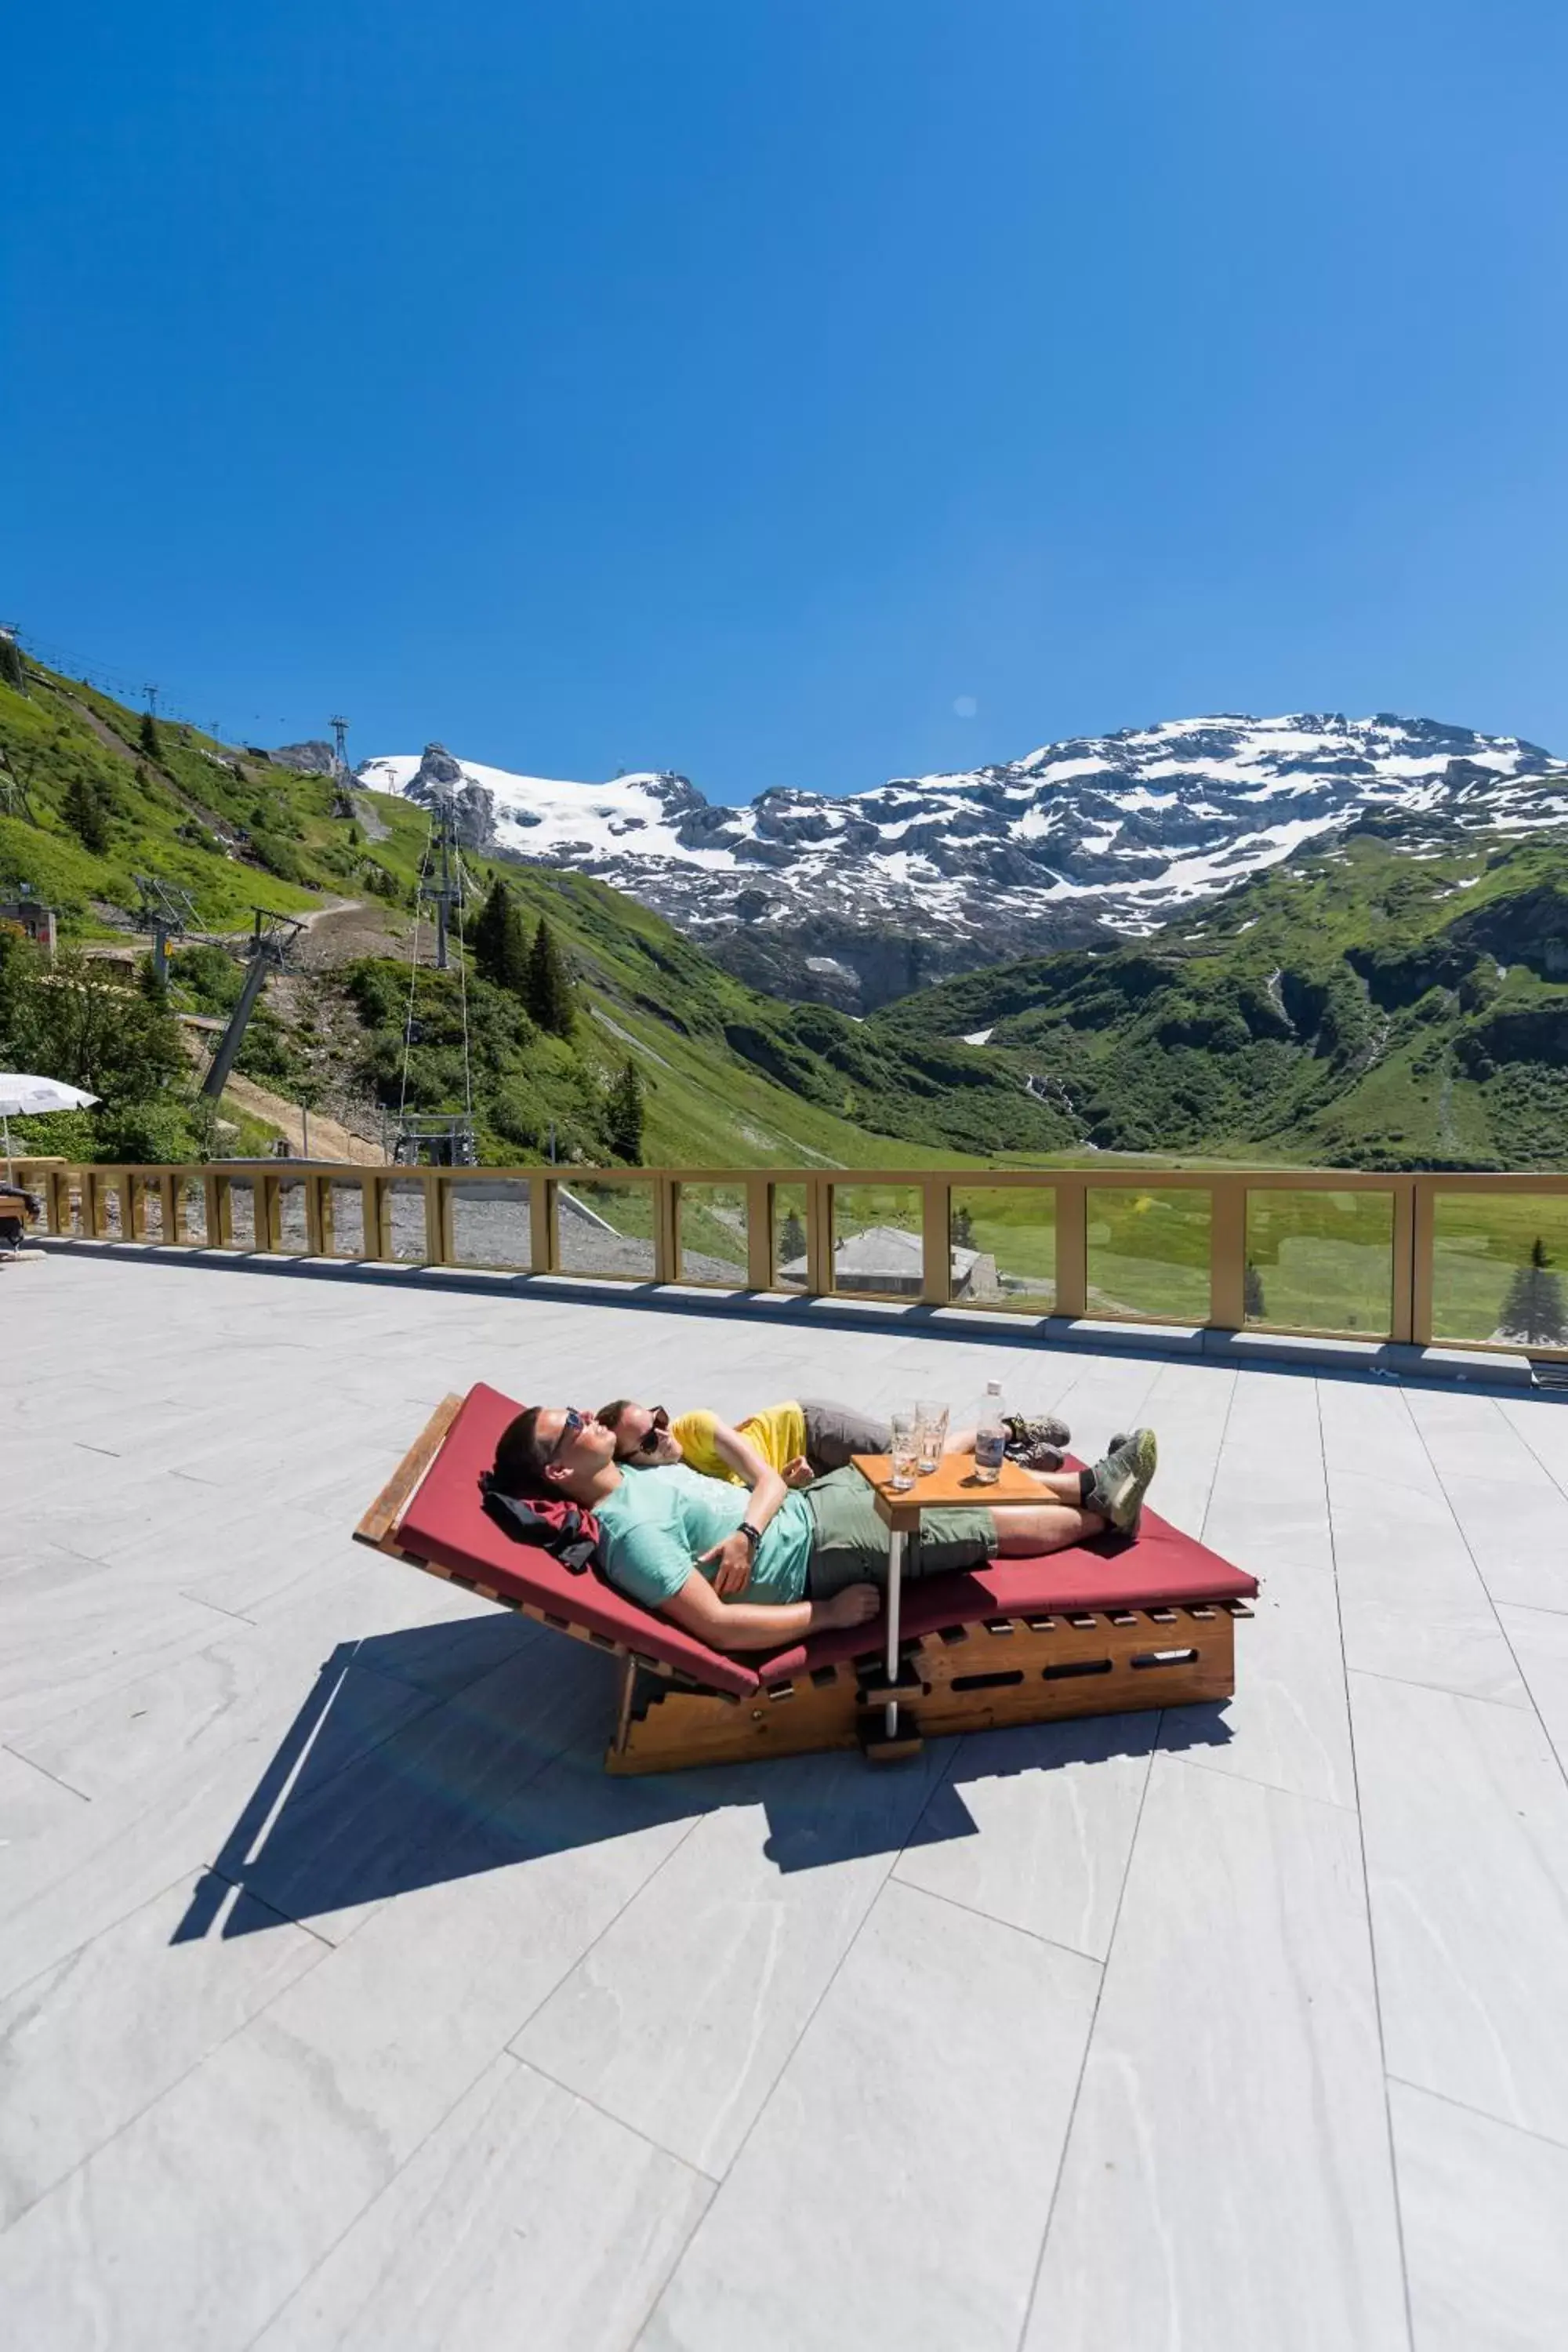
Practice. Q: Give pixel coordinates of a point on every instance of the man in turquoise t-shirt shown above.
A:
(742, 1577)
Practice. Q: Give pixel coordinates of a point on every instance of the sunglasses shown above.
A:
(648, 1442)
(572, 1424)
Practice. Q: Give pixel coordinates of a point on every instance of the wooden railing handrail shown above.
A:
(145, 1203)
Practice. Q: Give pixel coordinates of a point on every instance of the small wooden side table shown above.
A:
(951, 1484)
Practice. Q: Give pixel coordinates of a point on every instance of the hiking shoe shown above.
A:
(1121, 1481)
(1025, 1432)
(1030, 1457)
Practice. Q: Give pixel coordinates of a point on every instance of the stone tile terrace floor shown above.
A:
(346, 2003)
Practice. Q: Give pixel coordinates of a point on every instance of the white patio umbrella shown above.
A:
(21, 1096)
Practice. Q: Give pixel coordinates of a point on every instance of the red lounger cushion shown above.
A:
(447, 1523)
(1165, 1568)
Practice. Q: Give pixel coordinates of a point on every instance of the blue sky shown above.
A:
(799, 391)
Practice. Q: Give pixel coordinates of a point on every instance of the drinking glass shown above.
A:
(905, 1452)
(930, 1430)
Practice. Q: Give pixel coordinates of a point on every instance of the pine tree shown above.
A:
(792, 1238)
(84, 812)
(625, 1119)
(150, 741)
(963, 1228)
(547, 992)
(1534, 1310)
(500, 944)
(1254, 1306)
(12, 672)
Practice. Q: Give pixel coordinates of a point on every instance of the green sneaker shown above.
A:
(1026, 1433)
(1122, 1479)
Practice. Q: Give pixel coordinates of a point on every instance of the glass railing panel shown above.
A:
(877, 1247)
(1319, 1261)
(147, 1207)
(106, 1217)
(789, 1238)
(345, 1205)
(289, 1233)
(241, 1196)
(1499, 1268)
(191, 1210)
(604, 1229)
(403, 1210)
(487, 1222)
(711, 1226)
(1148, 1252)
(1003, 1246)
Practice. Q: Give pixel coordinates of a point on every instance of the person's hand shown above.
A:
(854, 1605)
(734, 1572)
(798, 1472)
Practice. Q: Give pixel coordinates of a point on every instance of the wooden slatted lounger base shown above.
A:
(984, 1677)
(1021, 1641)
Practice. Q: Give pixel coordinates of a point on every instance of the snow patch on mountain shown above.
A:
(1112, 832)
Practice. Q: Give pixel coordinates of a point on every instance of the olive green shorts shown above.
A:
(849, 1542)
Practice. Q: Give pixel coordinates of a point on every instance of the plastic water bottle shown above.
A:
(990, 1436)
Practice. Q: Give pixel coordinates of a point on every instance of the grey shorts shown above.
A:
(835, 1433)
(849, 1542)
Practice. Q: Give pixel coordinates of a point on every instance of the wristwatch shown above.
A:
(753, 1536)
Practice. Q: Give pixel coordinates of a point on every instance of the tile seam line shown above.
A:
(34, 1766)
(168, 2089)
(570, 2090)
(1503, 1634)
(788, 2058)
(201, 1862)
(1482, 2115)
(505, 2050)
(1253, 1780)
(993, 1919)
(1445, 1690)
(1371, 1947)
(1045, 2238)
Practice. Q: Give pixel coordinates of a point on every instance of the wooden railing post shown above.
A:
(818, 1236)
(1072, 1245)
(217, 1218)
(434, 1246)
(370, 1226)
(666, 1229)
(1414, 1238)
(315, 1221)
(758, 1233)
(267, 1212)
(936, 1243)
(542, 1244)
(1227, 1252)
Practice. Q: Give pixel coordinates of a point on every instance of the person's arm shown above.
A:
(762, 1625)
(735, 1554)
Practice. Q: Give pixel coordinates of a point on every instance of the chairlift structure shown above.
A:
(439, 1139)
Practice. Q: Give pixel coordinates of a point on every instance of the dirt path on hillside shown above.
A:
(328, 1141)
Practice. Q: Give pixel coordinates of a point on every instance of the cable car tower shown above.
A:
(343, 782)
(440, 1139)
(168, 912)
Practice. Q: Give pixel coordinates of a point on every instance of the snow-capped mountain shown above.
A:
(857, 900)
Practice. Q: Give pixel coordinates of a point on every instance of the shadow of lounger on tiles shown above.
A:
(503, 1765)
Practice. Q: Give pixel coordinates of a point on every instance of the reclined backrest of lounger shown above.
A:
(446, 1524)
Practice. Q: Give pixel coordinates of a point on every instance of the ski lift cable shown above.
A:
(413, 977)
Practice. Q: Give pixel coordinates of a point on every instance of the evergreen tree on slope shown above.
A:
(1534, 1310)
(547, 991)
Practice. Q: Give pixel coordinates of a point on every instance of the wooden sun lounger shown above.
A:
(1089, 1632)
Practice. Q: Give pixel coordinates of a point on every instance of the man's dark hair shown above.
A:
(520, 1458)
(610, 1415)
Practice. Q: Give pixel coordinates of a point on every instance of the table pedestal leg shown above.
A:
(895, 1582)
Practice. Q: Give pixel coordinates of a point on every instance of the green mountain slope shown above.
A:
(1399, 1000)
(731, 1077)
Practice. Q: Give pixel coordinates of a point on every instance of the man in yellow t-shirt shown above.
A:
(800, 1439)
